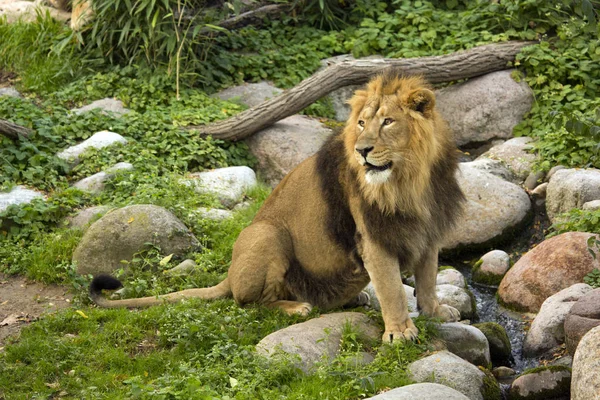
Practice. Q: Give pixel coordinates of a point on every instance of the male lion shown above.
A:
(376, 198)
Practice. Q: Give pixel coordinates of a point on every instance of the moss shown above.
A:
(485, 278)
(500, 348)
(559, 390)
(551, 368)
(444, 267)
(491, 388)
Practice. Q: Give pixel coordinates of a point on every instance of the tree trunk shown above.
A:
(12, 131)
(436, 69)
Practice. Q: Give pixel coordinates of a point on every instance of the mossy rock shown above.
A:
(500, 348)
(542, 383)
(484, 278)
(491, 388)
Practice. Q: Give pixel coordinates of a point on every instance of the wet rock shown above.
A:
(282, 146)
(583, 316)
(183, 268)
(571, 188)
(484, 108)
(250, 94)
(316, 340)
(410, 297)
(503, 372)
(458, 298)
(228, 184)
(214, 214)
(547, 330)
(448, 369)
(490, 269)
(542, 383)
(515, 154)
(84, 217)
(95, 184)
(421, 391)
(450, 276)
(97, 141)
(553, 265)
(10, 92)
(593, 205)
(585, 384)
(495, 208)
(18, 195)
(123, 232)
(467, 342)
(108, 105)
(500, 348)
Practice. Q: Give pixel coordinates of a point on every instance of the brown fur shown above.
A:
(340, 219)
(81, 11)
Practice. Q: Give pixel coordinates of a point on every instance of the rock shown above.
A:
(533, 180)
(540, 191)
(10, 92)
(410, 297)
(421, 391)
(484, 108)
(316, 340)
(553, 171)
(585, 383)
(582, 317)
(541, 383)
(97, 141)
(494, 209)
(450, 370)
(467, 342)
(18, 195)
(228, 184)
(214, 214)
(494, 167)
(95, 184)
(593, 205)
(571, 188)
(183, 268)
(84, 217)
(490, 268)
(547, 330)
(285, 144)
(108, 105)
(450, 276)
(553, 265)
(503, 372)
(458, 298)
(500, 348)
(250, 94)
(27, 11)
(123, 232)
(515, 154)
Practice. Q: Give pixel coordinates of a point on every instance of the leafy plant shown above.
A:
(593, 278)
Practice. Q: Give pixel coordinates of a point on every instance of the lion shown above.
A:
(81, 11)
(377, 198)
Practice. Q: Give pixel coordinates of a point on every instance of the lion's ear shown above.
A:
(421, 101)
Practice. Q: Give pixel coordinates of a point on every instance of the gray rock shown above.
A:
(593, 205)
(282, 146)
(583, 317)
(95, 184)
(571, 188)
(533, 180)
(484, 108)
(514, 153)
(84, 217)
(547, 330)
(466, 342)
(29, 11)
(456, 297)
(410, 297)
(451, 276)
(98, 141)
(585, 383)
(547, 383)
(540, 191)
(448, 369)
(421, 391)
(492, 266)
(123, 232)
(494, 167)
(228, 184)
(494, 209)
(316, 340)
(214, 214)
(10, 92)
(18, 195)
(250, 94)
(108, 105)
(183, 268)
(553, 170)
(503, 372)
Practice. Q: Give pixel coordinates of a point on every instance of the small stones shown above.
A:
(467, 342)
(213, 214)
(490, 269)
(97, 141)
(183, 268)
(541, 383)
(458, 298)
(228, 184)
(534, 179)
(503, 372)
(593, 205)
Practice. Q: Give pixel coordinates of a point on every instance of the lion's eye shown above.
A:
(387, 121)
(361, 122)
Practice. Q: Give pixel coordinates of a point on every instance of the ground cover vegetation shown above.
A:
(163, 61)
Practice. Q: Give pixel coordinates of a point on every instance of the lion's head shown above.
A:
(393, 138)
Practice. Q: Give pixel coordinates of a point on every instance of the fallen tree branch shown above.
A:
(12, 130)
(436, 69)
(253, 16)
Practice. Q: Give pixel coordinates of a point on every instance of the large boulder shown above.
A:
(585, 383)
(250, 94)
(583, 316)
(121, 233)
(467, 342)
(515, 154)
(421, 391)
(98, 140)
(553, 265)
(448, 369)
(571, 188)
(485, 108)
(547, 330)
(285, 144)
(316, 340)
(18, 195)
(228, 184)
(542, 383)
(494, 209)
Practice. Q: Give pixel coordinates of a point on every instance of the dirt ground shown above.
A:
(23, 301)
(6, 78)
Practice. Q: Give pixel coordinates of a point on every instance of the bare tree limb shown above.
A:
(436, 69)
(12, 130)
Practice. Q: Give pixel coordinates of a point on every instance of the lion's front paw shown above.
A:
(406, 331)
(302, 309)
(447, 313)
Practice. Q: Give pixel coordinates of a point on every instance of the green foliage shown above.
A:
(576, 220)
(593, 278)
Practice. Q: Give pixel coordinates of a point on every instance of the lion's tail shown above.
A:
(102, 282)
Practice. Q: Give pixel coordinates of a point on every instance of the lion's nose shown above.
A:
(364, 151)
